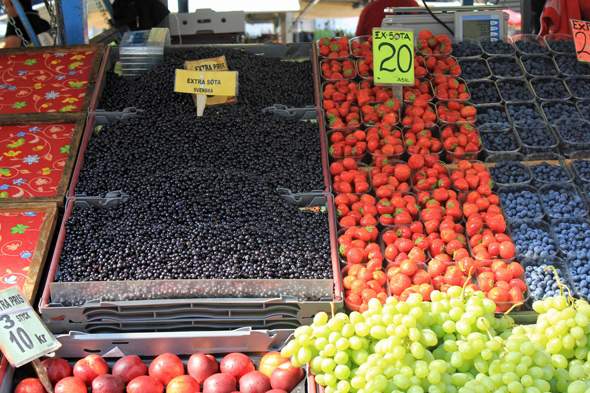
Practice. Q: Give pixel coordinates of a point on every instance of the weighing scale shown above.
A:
(479, 24)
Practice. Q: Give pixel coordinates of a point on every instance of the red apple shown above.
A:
(57, 369)
(166, 367)
(89, 368)
(129, 368)
(236, 364)
(145, 384)
(270, 361)
(183, 384)
(220, 383)
(108, 383)
(201, 367)
(276, 391)
(286, 377)
(254, 382)
(30, 385)
(70, 385)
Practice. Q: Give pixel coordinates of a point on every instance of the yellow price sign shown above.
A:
(216, 83)
(393, 56)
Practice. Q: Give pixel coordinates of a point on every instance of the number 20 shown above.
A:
(393, 51)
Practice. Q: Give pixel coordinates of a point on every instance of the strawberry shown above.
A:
(515, 269)
(454, 277)
(486, 281)
(498, 294)
(425, 290)
(515, 282)
(408, 267)
(507, 251)
(436, 268)
(421, 277)
(503, 274)
(515, 294)
(399, 283)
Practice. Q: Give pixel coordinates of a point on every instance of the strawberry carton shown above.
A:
(334, 70)
(365, 67)
(348, 176)
(471, 176)
(419, 67)
(461, 142)
(358, 245)
(429, 174)
(419, 115)
(385, 141)
(390, 179)
(439, 204)
(426, 141)
(334, 48)
(363, 283)
(340, 91)
(446, 273)
(504, 283)
(370, 94)
(478, 204)
(407, 278)
(353, 210)
(421, 88)
(451, 88)
(487, 244)
(450, 240)
(386, 113)
(456, 113)
(430, 44)
(435, 65)
(342, 116)
(347, 144)
(398, 210)
(361, 46)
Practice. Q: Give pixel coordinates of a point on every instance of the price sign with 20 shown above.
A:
(23, 336)
(393, 56)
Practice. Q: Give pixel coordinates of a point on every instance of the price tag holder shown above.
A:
(217, 83)
(393, 56)
(581, 33)
(23, 336)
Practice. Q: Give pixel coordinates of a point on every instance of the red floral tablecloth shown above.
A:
(19, 233)
(32, 159)
(53, 82)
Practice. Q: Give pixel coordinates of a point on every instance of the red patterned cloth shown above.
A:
(19, 233)
(32, 159)
(53, 82)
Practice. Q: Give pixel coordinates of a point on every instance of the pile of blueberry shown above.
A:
(495, 114)
(472, 69)
(484, 93)
(542, 284)
(530, 47)
(539, 65)
(499, 141)
(509, 172)
(525, 115)
(465, 49)
(569, 65)
(583, 168)
(574, 131)
(539, 138)
(580, 273)
(579, 87)
(550, 89)
(574, 237)
(562, 46)
(514, 90)
(555, 110)
(532, 239)
(584, 107)
(561, 201)
(545, 172)
(497, 48)
(519, 204)
(505, 67)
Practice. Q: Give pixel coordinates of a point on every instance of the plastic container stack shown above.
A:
(143, 50)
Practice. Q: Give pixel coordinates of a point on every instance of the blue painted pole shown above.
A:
(74, 15)
(25, 21)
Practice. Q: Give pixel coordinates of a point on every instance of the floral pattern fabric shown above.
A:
(52, 82)
(19, 233)
(32, 159)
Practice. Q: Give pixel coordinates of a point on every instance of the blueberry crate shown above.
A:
(507, 159)
(474, 68)
(506, 87)
(526, 114)
(467, 46)
(584, 108)
(562, 94)
(76, 345)
(574, 134)
(502, 134)
(496, 46)
(533, 215)
(475, 86)
(569, 65)
(579, 86)
(558, 263)
(580, 159)
(572, 191)
(569, 225)
(572, 264)
(546, 66)
(179, 304)
(556, 45)
(529, 249)
(516, 68)
(563, 109)
(492, 114)
(529, 44)
(286, 52)
(537, 139)
(552, 159)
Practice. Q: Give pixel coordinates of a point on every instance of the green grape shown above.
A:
(373, 373)
(526, 380)
(343, 386)
(359, 356)
(319, 378)
(328, 365)
(330, 350)
(539, 307)
(421, 371)
(548, 371)
(304, 355)
(401, 331)
(554, 346)
(407, 371)
(577, 373)
(456, 314)
(355, 343)
(335, 324)
(320, 318)
(330, 379)
(513, 357)
(401, 381)
(361, 329)
(463, 328)
(456, 359)
(581, 352)
(341, 357)
(449, 327)
(577, 387)
(510, 377)
(558, 361)
(334, 337)
(521, 369)
(378, 332)
(291, 348)
(342, 372)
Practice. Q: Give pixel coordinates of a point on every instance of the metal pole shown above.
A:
(25, 21)
(72, 17)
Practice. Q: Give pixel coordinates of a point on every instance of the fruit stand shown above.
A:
(415, 222)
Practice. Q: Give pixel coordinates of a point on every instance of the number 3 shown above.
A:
(9, 322)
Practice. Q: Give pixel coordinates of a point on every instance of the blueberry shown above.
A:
(569, 65)
(562, 46)
(530, 47)
(509, 172)
(536, 137)
(514, 90)
(545, 172)
(579, 87)
(495, 114)
(563, 202)
(497, 48)
(555, 110)
(532, 238)
(474, 69)
(465, 49)
(573, 237)
(543, 284)
(499, 141)
(583, 168)
(525, 115)
(584, 107)
(550, 89)
(484, 93)
(574, 132)
(520, 204)
(505, 67)
(539, 65)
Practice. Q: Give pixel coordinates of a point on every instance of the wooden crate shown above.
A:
(9, 246)
(68, 167)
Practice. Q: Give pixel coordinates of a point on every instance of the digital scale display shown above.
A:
(479, 24)
(476, 28)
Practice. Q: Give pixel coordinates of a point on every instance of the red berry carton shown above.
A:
(334, 48)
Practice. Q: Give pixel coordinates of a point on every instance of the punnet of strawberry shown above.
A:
(340, 91)
(365, 67)
(344, 115)
(461, 142)
(386, 113)
(419, 67)
(347, 144)
(446, 273)
(407, 278)
(405, 243)
(347, 177)
(390, 179)
(398, 210)
(334, 70)
(362, 284)
(385, 140)
(428, 174)
(361, 46)
(503, 283)
(426, 141)
(421, 88)
(429, 44)
(370, 94)
(359, 244)
(471, 176)
(438, 205)
(455, 112)
(437, 66)
(419, 115)
(354, 209)
(336, 47)
(451, 88)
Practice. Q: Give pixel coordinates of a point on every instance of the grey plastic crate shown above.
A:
(147, 346)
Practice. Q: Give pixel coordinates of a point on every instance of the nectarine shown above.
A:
(70, 385)
(129, 367)
(166, 367)
(254, 382)
(57, 369)
(145, 384)
(183, 384)
(89, 368)
(201, 367)
(220, 383)
(108, 383)
(236, 364)
(30, 385)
